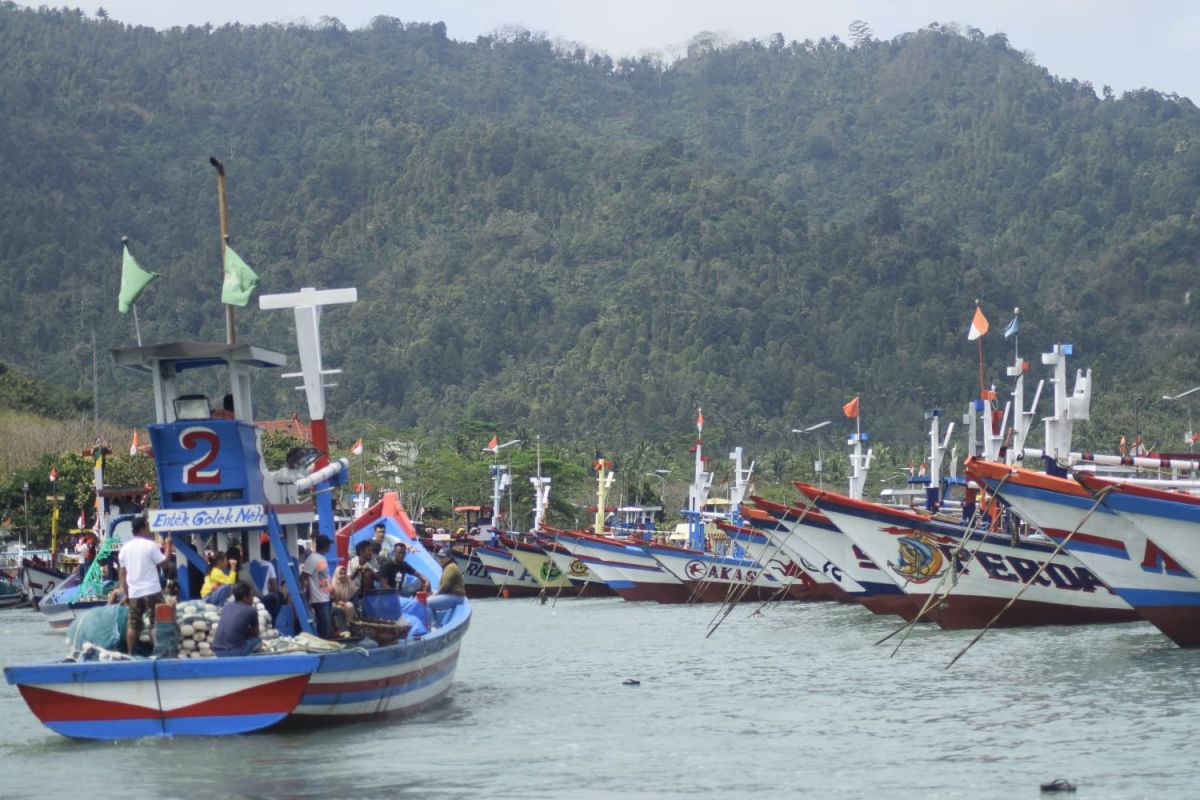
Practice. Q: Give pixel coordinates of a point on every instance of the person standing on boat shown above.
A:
(364, 568)
(314, 579)
(237, 631)
(378, 540)
(138, 574)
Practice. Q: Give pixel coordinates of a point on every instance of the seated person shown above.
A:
(364, 569)
(394, 570)
(220, 573)
(342, 594)
(452, 589)
(237, 632)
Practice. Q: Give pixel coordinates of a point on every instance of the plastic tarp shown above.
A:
(103, 626)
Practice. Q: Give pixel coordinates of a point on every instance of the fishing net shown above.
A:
(94, 586)
(103, 627)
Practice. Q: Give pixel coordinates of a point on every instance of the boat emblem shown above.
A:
(695, 570)
(550, 572)
(920, 559)
(578, 568)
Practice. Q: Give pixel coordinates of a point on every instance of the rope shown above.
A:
(934, 599)
(727, 609)
(1100, 495)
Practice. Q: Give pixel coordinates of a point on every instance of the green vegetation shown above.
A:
(551, 242)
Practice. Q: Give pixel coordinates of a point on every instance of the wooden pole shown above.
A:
(230, 332)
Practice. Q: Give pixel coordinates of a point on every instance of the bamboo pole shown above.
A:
(230, 332)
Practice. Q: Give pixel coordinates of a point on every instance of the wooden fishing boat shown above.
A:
(802, 582)
(717, 578)
(1171, 520)
(1146, 576)
(626, 568)
(584, 581)
(853, 569)
(973, 575)
(771, 533)
(506, 571)
(213, 483)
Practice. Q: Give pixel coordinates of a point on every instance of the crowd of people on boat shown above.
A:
(144, 570)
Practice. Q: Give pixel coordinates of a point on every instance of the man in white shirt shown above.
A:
(139, 560)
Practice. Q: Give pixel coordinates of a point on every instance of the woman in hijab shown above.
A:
(342, 594)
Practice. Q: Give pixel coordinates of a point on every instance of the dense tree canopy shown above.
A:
(591, 249)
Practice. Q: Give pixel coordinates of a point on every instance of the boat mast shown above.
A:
(860, 463)
(604, 482)
(1066, 409)
(698, 491)
(541, 491)
(937, 451)
(1021, 417)
(308, 305)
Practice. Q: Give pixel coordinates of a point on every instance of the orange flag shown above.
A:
(493, 446)
(357, 449)
(979, 325)
(700, 419)
(851, 408)
(133, 446)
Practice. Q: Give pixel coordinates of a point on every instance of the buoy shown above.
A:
(505, 593)
(1058, 785)
(632, 682)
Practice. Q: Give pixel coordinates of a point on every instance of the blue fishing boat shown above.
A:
(215, 491)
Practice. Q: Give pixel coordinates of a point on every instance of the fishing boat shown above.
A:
(965, 577)
(766, 539)
(215, 489)
(39, 578)
(861, 579)
(1146, 576)
(1170, 519)
(584, 582)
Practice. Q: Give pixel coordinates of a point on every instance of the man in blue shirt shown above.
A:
(237, 632)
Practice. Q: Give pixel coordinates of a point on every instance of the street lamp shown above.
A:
(1191, 432)
(818, 467)
(661, 474)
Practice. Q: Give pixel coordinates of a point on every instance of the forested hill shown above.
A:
(591, 249)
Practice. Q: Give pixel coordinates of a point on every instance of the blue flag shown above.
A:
(1011, 330)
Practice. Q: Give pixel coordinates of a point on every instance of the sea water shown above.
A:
(794, 701)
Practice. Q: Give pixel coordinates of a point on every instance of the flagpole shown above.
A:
(979, 341)
(230, 333)
(137, 327)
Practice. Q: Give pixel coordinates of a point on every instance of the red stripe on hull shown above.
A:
(655, 592)
(837, 593)
(885, 604)
(379, 683)
(589, 589)
(1180, 623)
(964, 613)
(277, 697)
(516, 591)
(308, 721)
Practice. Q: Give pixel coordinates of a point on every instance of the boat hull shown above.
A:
(163, 697)
(393, 681)
(1133, 566)
(627, 568)
(985, 578)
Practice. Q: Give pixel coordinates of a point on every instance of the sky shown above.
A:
(1120, 43)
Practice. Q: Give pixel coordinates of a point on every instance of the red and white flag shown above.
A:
(53, 474)
(81, 523)
(493, 446)
(700, 419)
(357, 448)
(979, 325)
(133, 445)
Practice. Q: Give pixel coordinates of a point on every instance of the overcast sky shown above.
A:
(1126, 44)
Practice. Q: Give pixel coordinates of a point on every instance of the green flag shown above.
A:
(133, 280)
(240, 280)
